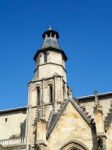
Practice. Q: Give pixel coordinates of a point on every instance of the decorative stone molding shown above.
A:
(55, 117)
(101, 142)
(71, 145)
(35, 86)
(50, 82)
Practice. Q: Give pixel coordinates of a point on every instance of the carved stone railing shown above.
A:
(13, 141)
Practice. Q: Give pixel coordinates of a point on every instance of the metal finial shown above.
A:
(50, 28)
(95, 92)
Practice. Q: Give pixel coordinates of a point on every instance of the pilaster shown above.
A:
(99, 121)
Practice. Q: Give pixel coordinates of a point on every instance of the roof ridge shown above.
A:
(99, 94)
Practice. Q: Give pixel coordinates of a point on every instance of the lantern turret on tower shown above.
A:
(50, 39)
(50, 59)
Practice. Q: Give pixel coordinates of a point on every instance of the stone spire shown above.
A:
(50, 38)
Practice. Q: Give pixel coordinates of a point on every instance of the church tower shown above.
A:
(48, 88)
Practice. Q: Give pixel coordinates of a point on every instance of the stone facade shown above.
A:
(53, 119)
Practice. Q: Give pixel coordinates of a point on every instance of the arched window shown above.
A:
(38, 96)
(45, 57)
(51, 94)
(74, 145)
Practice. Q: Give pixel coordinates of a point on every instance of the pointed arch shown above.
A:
(74, 145)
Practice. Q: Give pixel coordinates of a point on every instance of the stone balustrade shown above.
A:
(13, 141)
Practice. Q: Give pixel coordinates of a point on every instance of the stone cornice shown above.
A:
(48, 64)
(51, 49)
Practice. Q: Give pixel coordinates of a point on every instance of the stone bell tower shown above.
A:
(47, 89)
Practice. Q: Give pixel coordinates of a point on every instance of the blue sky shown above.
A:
(85, 28)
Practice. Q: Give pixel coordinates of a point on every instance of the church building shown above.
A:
(53, 119)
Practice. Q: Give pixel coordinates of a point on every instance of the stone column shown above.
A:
(99, 121)
(55, 95)
(66, 97)
(29, 119)
(43, 89)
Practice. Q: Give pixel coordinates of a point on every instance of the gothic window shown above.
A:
(51, 94)
(38, 96)
(45, 57)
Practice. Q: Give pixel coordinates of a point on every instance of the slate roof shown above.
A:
(50, 42)
(13, 110)
(50, 39)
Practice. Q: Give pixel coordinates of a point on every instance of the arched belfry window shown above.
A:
(50, 94)
(45, 57)
(38, 95)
